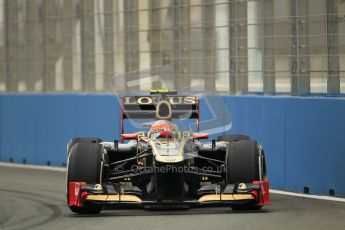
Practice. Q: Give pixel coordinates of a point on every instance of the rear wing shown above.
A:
(144, 107)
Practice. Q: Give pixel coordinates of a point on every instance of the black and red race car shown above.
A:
(163, 167)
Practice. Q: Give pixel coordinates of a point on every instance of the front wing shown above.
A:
(121, 195)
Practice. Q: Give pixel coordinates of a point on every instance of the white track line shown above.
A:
(40, 167)
(273, 191)
(329, 198)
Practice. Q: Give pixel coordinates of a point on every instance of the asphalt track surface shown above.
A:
(35, 199)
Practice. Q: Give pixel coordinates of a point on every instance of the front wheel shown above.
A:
(244, 165)
(85, 165)
(245, 207)
(231, 138)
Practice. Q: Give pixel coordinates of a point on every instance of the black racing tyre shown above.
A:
(73, 141)
(85, 165)
(245, 207)
(242, 161)
(231, 138)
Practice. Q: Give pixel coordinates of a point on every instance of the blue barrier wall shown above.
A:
(303, 138)
(38, 127)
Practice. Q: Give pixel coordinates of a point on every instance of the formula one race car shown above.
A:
(164, 167)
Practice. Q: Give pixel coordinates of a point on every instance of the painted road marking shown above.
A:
(39, 167)
(329, 198)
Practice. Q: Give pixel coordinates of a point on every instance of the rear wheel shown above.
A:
(242, 161)
(85, 165)
(231, 138)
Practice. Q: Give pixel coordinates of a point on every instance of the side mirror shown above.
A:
(200, 135)
(129, 136)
